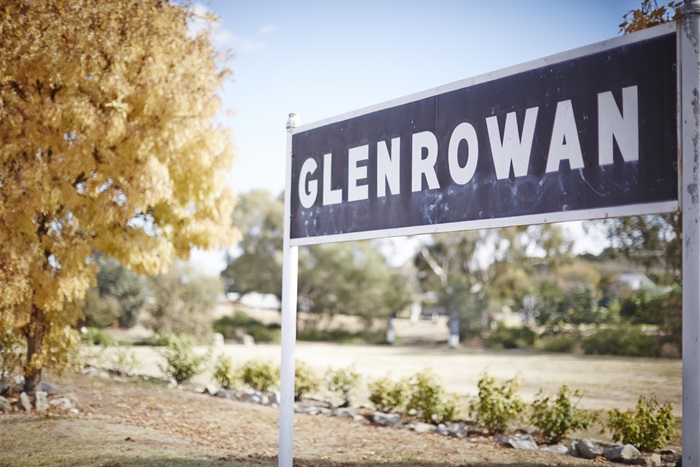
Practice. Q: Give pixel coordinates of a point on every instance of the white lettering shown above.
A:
(565, 143)
(308, 197)
(463, 132)
(513, 151)
(625, 129)
(330, 196)
(424, 166)
(388, 167)
(356, 173)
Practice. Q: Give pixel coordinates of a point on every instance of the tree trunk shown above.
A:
(35, 337)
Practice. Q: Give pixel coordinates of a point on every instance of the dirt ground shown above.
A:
(137, 424)
(127, 423)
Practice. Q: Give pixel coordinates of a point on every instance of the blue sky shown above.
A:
(324, 58)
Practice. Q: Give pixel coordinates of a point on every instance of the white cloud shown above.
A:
(222, 37)
(268, 29)
(245, 44)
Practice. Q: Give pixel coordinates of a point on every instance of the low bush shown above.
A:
(624, 339)
(270, 333)
(122, 360)
(504, 337)
(100, 310)
(95, 336)
(240, 322)
(181, 361)
(497, 406)
(305, 380)
(387, 395)
(343, 381)
(649, 427)
(259, 375)
(427, 399)
(555, 418)
(342, 336)
(562, 343)
(224, 372)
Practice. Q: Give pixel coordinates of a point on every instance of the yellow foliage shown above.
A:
(108, 143)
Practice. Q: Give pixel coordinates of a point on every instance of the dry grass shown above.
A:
(130, 424)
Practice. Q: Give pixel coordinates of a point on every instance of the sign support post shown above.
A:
(689, 62)
(290, 266)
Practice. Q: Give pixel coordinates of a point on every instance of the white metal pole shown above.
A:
(689, 65)
(290, 266)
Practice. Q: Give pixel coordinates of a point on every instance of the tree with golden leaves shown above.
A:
(109, 143)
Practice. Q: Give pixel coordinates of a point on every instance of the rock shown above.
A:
(622, 454)
(557, 449)
(520, 441)
(258, 398)
(386, 419)
(210, 389)
(420, 427)
(654, 460)
(310, 409)
(274, 399)
(457, 430)
(343, 412)
(48, 388)
(226, 394)
(588, 449)
(63, 403)
(40, 401)
(441, 429)
(5, 405)
(670, 458)
(24, 402)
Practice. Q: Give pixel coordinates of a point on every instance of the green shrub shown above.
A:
(242, 323)
(562, 343)
(100, 311)
(427, 399)
(259, 375)
(504, 337)
(183, 302)
(224, 372)
(94, 336)
(270, 333)
(623, 339)
(558, 417)
(648, 428)
(342, 336)
(122, 360)
(227, 325)
(497, 406)
(305, 380)
(181, 362)
(343, 381)
(388, 396)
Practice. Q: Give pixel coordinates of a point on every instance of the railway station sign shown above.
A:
(585, 134)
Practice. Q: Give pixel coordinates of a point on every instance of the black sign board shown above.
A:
(577, 136)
